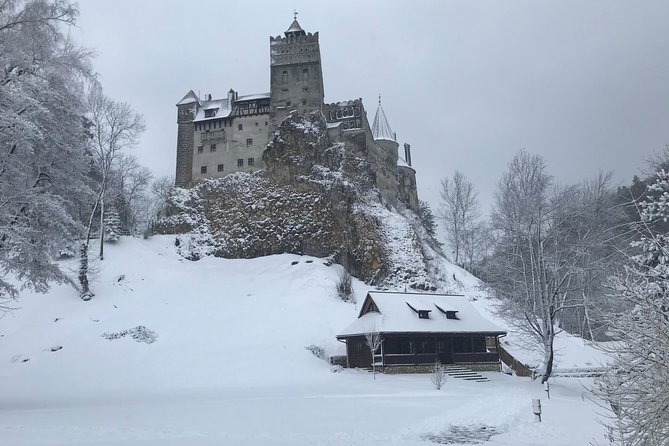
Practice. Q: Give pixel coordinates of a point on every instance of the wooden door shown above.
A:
(445, 350)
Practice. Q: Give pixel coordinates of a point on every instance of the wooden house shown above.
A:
(418, 330)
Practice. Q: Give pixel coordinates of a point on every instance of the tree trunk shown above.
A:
(86, 293)
(549, 355)
(102, 226)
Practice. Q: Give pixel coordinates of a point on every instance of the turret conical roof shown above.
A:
(381, 129)
(295, 29)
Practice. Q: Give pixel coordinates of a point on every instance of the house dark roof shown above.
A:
(398, 313)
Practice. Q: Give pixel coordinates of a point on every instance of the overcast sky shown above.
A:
(585, 84)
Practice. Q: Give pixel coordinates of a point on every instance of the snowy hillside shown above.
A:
(221, 359)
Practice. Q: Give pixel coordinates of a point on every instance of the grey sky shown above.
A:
(467, 84)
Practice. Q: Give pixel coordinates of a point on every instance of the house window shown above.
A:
(451, 314)
(462, 345)
(240, 162)
(250, 161)
(249, 142)
(425, 346)
(203, 169)
(475, 344)
(479, 344)
(200, 149)
(220, 167)
(212, 148)
(210, 113)
(398, 346)
(423, 314)
(240, 127)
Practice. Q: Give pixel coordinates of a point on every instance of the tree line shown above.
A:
(591, 259)
(66, 176)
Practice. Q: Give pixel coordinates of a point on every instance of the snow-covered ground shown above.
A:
(229, 365)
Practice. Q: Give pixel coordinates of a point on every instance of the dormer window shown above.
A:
(422, 314)
(210, 113)
(450, 314)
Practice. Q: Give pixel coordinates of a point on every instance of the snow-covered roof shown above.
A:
(381, 128)
(222, 106)
(398, 313)
(250, 97)
(402, 163)
(190, 98)
(294, 28)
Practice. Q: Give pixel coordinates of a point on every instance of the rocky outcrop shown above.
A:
(315, 197)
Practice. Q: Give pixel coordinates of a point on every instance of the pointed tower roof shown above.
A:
(295, 28)
(190, 98)
(381, 129)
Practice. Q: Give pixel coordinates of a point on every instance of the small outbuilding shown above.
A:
(418, 330)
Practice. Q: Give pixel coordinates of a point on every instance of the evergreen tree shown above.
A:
(427, 218)
(637, 383)
(112, 223)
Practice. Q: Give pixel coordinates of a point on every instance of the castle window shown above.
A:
(304, 102)
(200, 149)
(305, 74)
(266, 123)
(210, 113)
(287, 103)
(256, 123)
(284, 77)
(305, 89)
(249, 142)
(203, 169)
(212, 148)
(240, 126)
(240, 162)
(251, 161)
(221, 167)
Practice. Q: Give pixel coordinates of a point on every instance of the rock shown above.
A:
(55, 348)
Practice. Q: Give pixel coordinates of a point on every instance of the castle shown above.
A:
(216, 137)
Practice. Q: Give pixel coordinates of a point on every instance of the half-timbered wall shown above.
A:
(237, 140)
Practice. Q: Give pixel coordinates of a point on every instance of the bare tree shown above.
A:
(542, 260)
(438, 376)
(374, 341)
(114, 127)
(345, 286)
(459, 211)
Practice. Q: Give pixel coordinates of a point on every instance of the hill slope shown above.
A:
(228, 363)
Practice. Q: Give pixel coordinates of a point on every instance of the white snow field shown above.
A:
(228, 366)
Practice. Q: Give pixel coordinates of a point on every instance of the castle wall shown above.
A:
(231, 145)
(406, 185)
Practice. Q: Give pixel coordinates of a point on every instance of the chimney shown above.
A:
(232, 96)
(407, 153)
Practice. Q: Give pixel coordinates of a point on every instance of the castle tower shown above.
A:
(186, 109)
(296, 79)
(406, 175)
(383, 134)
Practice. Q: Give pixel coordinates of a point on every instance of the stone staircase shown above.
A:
(462, 372)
